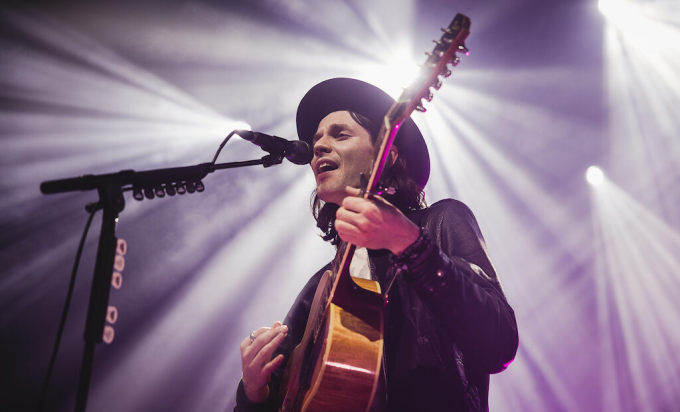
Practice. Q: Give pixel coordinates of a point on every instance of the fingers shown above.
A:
(261, 337)
(248, 342)
(374, 223)
(271, 366)
(256, 357)
(361, 213)
(356, 204)
(245, 343)
(348, 232)
(258, 352)
(350, 216)
(265, 345)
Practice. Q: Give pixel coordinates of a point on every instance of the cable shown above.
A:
(55, 350)
(226, 139)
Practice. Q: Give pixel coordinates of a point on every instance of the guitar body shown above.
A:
(344, 366)
(347, 367)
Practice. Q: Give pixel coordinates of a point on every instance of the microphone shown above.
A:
(297, 151)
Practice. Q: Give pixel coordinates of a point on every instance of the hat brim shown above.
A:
(354, 95)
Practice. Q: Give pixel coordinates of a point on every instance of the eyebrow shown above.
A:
(333, 128)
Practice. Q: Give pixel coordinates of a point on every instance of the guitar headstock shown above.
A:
(445, 53)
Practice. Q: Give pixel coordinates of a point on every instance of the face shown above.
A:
(342, 151)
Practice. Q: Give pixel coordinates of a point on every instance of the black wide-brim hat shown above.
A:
(354, 95)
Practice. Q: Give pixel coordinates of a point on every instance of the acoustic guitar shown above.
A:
(336, 366)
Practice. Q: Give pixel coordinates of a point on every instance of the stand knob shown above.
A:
(108, 334)
(117, 280)
(111, 314)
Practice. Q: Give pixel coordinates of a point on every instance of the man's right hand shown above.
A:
(257, 364)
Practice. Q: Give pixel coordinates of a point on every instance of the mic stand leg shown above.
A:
(85, 375)
(112, 202)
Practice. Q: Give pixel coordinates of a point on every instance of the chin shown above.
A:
(330, 196)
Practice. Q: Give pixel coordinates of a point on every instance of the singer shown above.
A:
(447, 323)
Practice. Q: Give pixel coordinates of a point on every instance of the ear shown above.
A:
(394, 154)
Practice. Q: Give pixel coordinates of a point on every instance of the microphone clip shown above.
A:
(271, 160)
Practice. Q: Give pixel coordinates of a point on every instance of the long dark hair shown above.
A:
(408, 194)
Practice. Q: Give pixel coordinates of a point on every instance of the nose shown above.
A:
(321, 146)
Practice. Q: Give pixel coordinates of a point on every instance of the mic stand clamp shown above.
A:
(271, 160)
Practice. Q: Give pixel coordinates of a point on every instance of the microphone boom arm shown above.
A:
(148, 178)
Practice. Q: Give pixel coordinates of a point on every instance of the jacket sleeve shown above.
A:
(450, 270)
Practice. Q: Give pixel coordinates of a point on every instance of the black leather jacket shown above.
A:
(448, 325)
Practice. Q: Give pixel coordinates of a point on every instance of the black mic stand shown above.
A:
(110, 187)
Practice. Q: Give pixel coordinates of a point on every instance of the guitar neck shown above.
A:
(444, 53)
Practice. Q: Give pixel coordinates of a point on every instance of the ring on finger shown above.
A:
(252, 337)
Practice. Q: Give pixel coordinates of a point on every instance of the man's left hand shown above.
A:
(374, 223)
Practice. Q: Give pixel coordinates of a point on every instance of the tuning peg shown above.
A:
(160, 192)
(429, 96)
(437, 85)
(421, 109)
(386, 190)
(447, 30)
(179, 187)
(434, 53)
(199, 186)
(426, 66)
(443, 42)
(464, 49)
(455, 61)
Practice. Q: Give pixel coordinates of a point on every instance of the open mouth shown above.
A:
(326, 167)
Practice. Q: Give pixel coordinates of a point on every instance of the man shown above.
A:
(448, 325)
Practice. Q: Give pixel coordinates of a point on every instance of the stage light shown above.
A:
(642, 24)
(620, 11)
(220, 127)
(225, 126)
(641, 48)
(241, 126)
(393, 74)
(594, 175)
